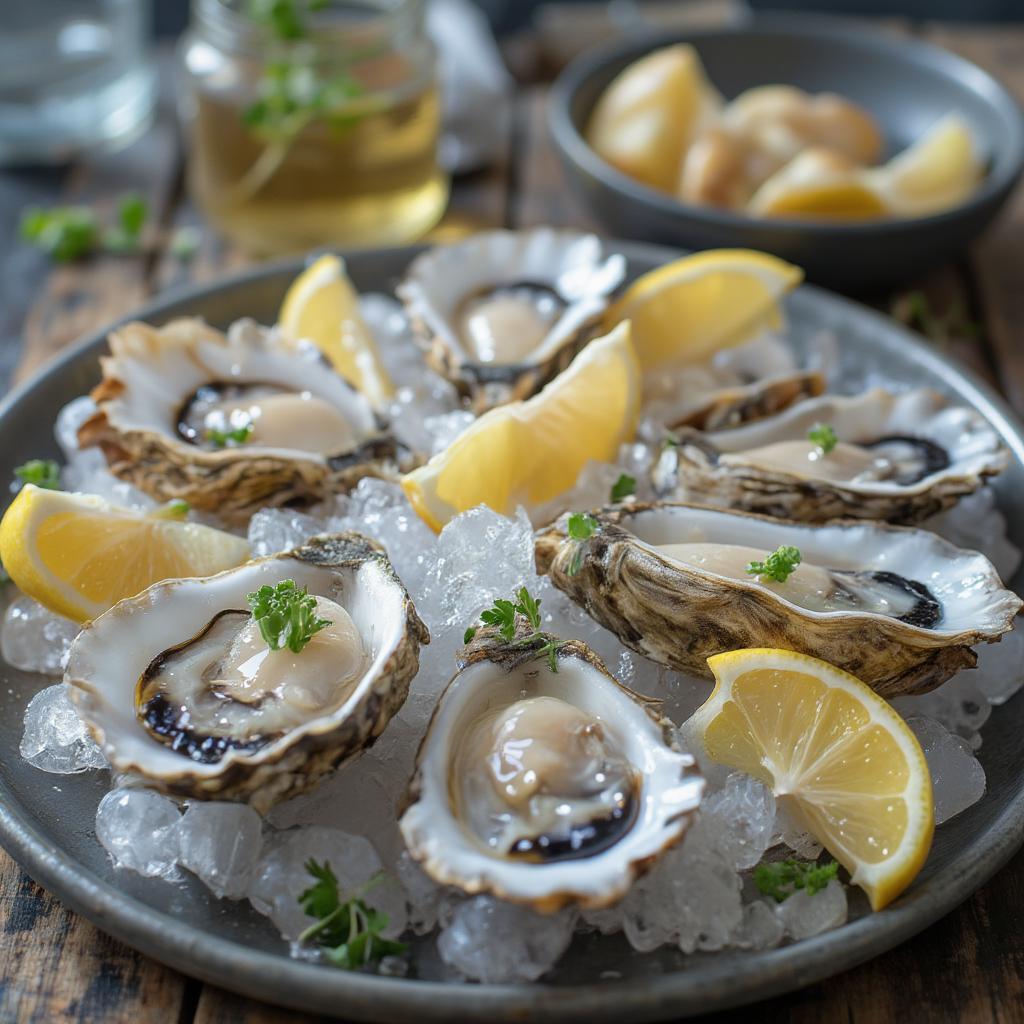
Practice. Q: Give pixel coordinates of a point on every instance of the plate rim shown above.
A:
(284, 981)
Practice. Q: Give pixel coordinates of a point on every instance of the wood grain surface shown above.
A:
(54, 966)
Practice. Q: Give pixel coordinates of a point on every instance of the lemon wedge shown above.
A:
(527, 453)
(819, 184)
(644, 119)
(836, 755)
(77, 555)
(936, 173)
(322, 306)
(691, 308)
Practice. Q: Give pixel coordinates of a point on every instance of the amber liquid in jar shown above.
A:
(365, 175)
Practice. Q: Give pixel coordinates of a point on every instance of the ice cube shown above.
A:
(759, 929)
(426, 898)
(975, 523)
(958, 779)
(55, 738)
(281, 877)
(803, 915)
(496, 942)
(1000, 671)
(272, 530)
(443, 428)
(34, 639)
(958, 704)
(221, 843)
(738, 820)
(139, 829)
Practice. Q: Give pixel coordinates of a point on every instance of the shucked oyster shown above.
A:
(899, 457)
(503, 312)
(178, 685)
(899, 608)
(543, 787)
(232, 423)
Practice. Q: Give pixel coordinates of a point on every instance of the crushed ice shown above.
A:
(698, 897)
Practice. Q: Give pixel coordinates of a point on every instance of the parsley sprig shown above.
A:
(782, 878)
(580, 526)
(286, 615)
(623, 487)
(68, 233)
(229, 438)
(43, 473)
(176, 508)
(779, 565)
(502, 615)
(823, 436)
(348, 932)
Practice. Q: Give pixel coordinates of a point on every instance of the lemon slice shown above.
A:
(691, 308)
(322, 307)
(644, 119)
(526, 453)
(78, 555)
(819, 184)
(937, 173)
(836, 755)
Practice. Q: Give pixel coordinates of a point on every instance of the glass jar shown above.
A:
(316, 129)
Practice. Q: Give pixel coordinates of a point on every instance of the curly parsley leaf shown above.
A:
(823, 436)
(286, 615)
(229, 438)
(623, 487)
(43, 473)
(502, 615)
(778, 566)
(782, 878)
(347, 930)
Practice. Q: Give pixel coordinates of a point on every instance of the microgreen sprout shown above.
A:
(229, 438)
(779, 565)
(623, 487)
(580, 526)
(823, 436)
(43, 473)
(286, 615)
(781, 878)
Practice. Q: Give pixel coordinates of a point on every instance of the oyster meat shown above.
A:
(503, 312)
(542, 787)
(898, 457)
(232, 423)
(897, 607)
(178, 685)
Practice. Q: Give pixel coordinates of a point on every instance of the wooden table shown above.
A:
(54, 966)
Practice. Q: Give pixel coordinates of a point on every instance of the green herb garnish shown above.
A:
(502, 616)
(286, 615)
(132, 212)
(347, 932)
(623, 487)
(783, 877)
(176, 508)
(69, 233)
(822, 435)
(779, 565)
(229, 438)
(43, 473)
(579, 527)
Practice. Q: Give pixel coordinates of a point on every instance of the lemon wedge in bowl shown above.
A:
(527, 453)
(77, 555)
(837, 756)
(689, 309)
(322, 306)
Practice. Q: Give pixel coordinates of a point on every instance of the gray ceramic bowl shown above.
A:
(907, 85)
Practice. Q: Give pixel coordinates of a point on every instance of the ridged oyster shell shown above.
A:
(492, 674)
(679, 615)
(151, 372)
(693, 468)
(440, 281)
(113, 651)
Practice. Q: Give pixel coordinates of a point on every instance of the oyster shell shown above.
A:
(503, 312)
(545, 788)
(897, 607)
(899, 457)
(165, 391)
(176, 686)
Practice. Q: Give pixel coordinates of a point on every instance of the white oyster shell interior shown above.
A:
(449, 852)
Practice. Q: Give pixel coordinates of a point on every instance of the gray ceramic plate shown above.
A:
(46, 821)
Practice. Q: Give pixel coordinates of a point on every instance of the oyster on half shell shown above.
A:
(178, 686)
(545, 788)
(899, 457)
(897, 607)
(232, 423)
(503, 312)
